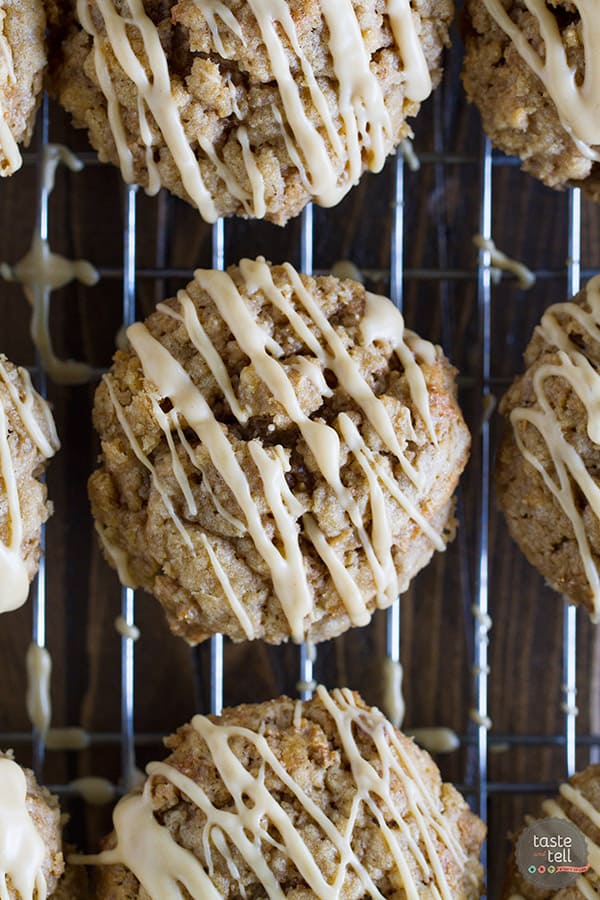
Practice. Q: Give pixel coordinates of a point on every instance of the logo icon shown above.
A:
(552, 854)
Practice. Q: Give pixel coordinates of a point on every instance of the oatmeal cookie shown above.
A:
(30, 816)
(278, 455)
(27, 440)
(307, 800)
(22, 64)
(530, 72)
(254, 108)
(578, 801)
(548, 466)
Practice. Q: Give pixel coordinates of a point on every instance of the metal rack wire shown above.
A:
(477, 737)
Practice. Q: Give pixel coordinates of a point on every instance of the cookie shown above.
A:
(31, 859)
(529, 68)
(578, 802)
(548, 465)
(289, 799)
(279, 455)
(250, 109)
(27, 440)
(22, 65)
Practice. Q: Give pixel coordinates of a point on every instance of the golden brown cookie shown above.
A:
(307, 800)
(22, 64)
(30, 833)
(278, 455)
(548, 466)
(27, 440)
(250, 109)
(578, 802)
(526, 70)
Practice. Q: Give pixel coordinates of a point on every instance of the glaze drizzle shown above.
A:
(328, 157)
(284, 557)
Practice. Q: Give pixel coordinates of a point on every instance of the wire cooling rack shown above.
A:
(406, 245)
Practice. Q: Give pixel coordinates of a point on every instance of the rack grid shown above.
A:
(477, 739)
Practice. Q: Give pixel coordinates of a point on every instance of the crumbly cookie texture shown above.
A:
(312, 783)
(30, 440)
(579, 801)
(549, 457)
(259, 118)
(517, 109)
(278, 455)
(41, 812)
(22, 65)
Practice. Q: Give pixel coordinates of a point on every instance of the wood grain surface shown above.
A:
(441, 215)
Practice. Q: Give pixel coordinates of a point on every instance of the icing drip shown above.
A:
(125, 630)
(568, 468)
(149, 851)
(22, 849)
(12, 160)
(330, 159)
(436, 740)
(286, 565)
(393, 700)
(501, 262)
(95, 791)
(14, 577)
(41, 271)
(39, 671)
(577, 100)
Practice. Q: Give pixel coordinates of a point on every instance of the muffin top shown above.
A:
(530, 67)
(22, 64)
(31, 861)
(320, 799)
(27, 439)
(279, 454)
(250, 108)
(549, 461)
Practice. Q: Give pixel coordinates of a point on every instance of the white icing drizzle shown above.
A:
(436, 739)
(161, 865)
(476, 717)
(330, 159)
(14, 578)
(125, 630)
(41, 271)
(117, 557)
(9, 149)
(381, 321)
(39, 672)
(567, 466)
(94, 790)
(393, 700)
(69, 738)
(345, 268)
(576, 100)
(503, 263)
(22, 849)
(411, 159)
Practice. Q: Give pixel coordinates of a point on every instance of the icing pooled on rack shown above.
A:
(354, 129)
(501, 262)
(567, 478)
(18, 401)
(39, 672)
(41, 271)
(388, 786)
(280, 538)
(577, 99)
(22, 849)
